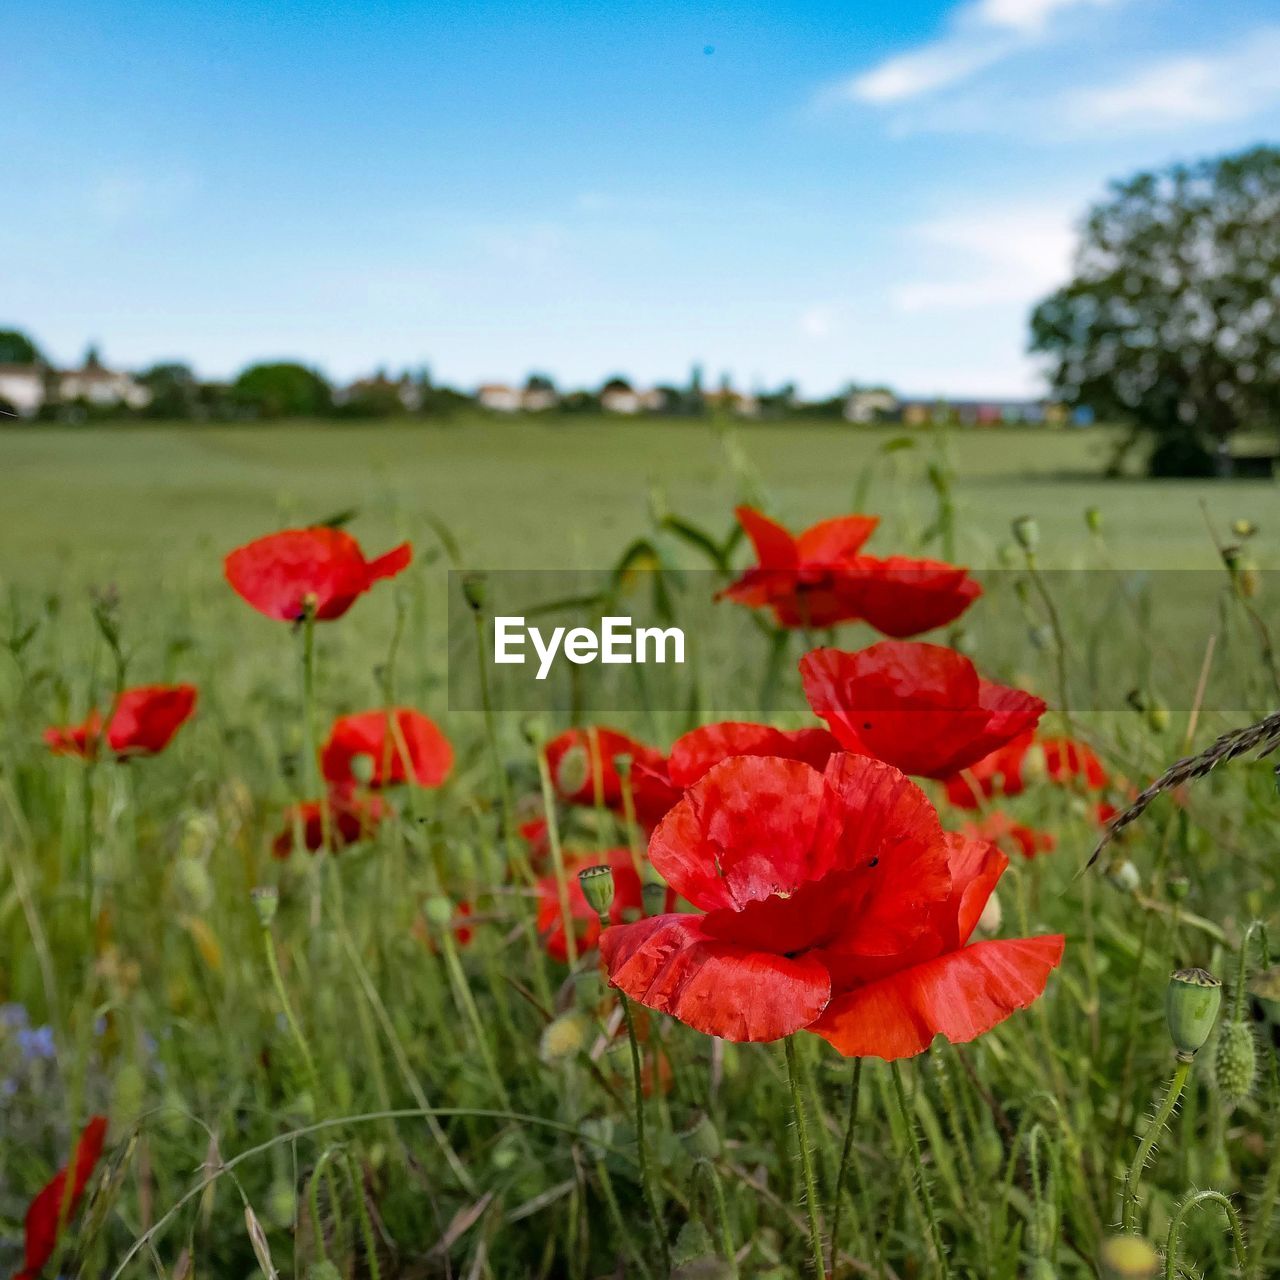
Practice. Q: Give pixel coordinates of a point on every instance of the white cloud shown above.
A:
(1188, 89)
(1004, 255)
(980, 34)
(820, 321)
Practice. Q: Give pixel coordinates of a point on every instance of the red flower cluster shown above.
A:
(400, 744)
(920, 707)
(321, 569)
(45, 1214)
(1007, 833)
(830, 901)
(1005, 772)
(583, 772)
(820, 578)
(142, 723)
(628, 902)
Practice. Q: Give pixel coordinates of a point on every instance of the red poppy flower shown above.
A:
(352, 816)
(583, 772)
(696, 752)
(903, 597)
(1006, 833)
(46, 1212)
(1066, 760)
(142, 724)
(819, 579)
(830, 901)
(920, 707)
(999, 773)
(401, 745)
(284, 573)
(627, 900)
(804, 579)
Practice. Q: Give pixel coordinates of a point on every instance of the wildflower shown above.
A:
(398, 745)
(627, 902)
(351, 816)
(696, 752)
(831, 901)
(584, 771)
(919, 707)
(46, 1213)
(142, 722)
(1006, 833)
(819, 578)
(320, 571)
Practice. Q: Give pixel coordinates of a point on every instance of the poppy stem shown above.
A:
(277, 981)
(846, 1154)
(1129, 1200)
(557, 861)
(806, 1159)
(917, 1162)
(642, 1147)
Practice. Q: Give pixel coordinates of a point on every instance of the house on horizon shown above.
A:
(26, 389)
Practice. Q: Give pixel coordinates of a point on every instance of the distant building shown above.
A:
(872, 405)
(500, 398)
(103, 388)
(22, 388)
(726, 399)
(404, 390)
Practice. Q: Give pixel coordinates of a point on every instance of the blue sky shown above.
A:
(826, 190)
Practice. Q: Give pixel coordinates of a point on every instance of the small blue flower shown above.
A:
(14, 1016)
(37, 1044)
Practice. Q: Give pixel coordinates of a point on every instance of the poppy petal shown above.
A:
(284, 573)
(959, 995)
(392, 563)
(775, 547)
(145, 719)
(45, 1214)
(400, 743)
(696, 752)
(744, 832)
(835, 541)
(903, 597)
(669, 963)
(976, 866)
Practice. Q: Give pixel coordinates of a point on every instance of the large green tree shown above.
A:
(17, 348)
(282, 390)
(1172, 322)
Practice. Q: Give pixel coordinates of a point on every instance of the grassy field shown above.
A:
(112, 501)
(375, 1085)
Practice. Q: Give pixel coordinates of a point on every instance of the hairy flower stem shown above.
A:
(917, 1162)
(846, 1156)
(712, 1179)
(1059, 637)
(1129, 1202)
(642, 1148)
(1265, 1211)
(806, 1159)
(1173, 1242)
(365, 1223)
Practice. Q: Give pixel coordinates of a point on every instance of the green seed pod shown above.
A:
(281, 1203)
(473, 590)
(573, 771)
(655, 899)
(1093, 519)
(1235, 1063)
(622, 762)
(597, 888)
(1191, 1006)
(362, 768)
(266, 901)
(1026, 533)
(1128, 1258)
(438, 911)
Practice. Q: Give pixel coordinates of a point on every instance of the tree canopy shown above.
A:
(282, 390)
(1172, 322)
(17, 348)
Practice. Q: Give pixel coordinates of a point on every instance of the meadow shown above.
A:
(397, 1062)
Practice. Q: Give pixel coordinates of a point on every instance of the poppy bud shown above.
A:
(1236, 1061)
(266, 901)
(1093, 519)
(597, 888)
(534, 730)
(1128, 1258)
(1243, 529)
(1026, 533)
(362, 768)
(655, 899)
(703, 1140)
(473, 590)
(1124, 875)
(1178, 887)
(573, 771)
(1158, 716)
(1191, 1006)
(622, 763)
(1008, 555)
(281, 1203)
(438, 911)
(991, 918)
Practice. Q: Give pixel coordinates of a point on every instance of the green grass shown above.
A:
(166, 1015)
